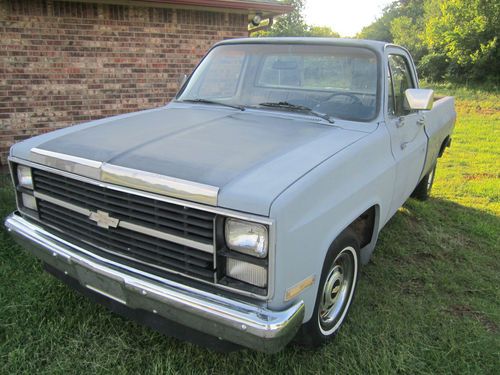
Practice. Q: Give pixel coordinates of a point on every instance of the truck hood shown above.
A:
(243, 159)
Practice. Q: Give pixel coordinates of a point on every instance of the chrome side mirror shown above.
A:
(419, 99)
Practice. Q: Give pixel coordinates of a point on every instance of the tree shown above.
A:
(466, 32)
(452, 39)
(322, 31)
(380, 29)
(291, 24)
(407, 29)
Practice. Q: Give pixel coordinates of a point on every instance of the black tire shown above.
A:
(319, 330)
(423, 189)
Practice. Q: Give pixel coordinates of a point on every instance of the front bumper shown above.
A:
(236, 321)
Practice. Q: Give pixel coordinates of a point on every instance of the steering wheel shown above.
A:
(354, 98)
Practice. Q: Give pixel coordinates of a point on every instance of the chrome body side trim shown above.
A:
(217, 210)
(68, 163)
(206, 247)
(132, 178)
(243, 323)
(160, 184)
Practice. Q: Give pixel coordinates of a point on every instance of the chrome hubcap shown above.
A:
(337, 290)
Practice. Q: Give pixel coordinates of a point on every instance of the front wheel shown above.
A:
(335, 293)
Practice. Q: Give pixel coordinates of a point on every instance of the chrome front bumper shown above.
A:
(239, 322)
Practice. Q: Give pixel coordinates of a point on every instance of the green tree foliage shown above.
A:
(380, 29)
(321, 31)
(466, 32)
(293, 24)
(449, 39)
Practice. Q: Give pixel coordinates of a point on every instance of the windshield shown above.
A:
(335, 81)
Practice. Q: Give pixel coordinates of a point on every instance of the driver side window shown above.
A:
(399, 80)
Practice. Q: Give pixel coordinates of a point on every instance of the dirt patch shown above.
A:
(413, 286)
(463, 311)
(467, 106)
(424, 257)
(480, 176)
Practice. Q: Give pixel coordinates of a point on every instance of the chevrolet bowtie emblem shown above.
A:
(103, 219)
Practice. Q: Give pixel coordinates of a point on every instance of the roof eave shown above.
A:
(248, 6)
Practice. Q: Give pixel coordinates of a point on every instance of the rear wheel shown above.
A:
(335, 293)
(423, 189)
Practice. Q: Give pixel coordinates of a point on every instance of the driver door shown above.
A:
(406, 127)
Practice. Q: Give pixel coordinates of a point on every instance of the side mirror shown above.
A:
(182, 80)
(419, 99)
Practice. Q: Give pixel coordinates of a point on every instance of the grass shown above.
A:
(428, 302)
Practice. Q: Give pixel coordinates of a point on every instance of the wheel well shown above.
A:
(364, 225)
(445, 144)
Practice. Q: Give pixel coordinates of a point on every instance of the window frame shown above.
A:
(414, 83)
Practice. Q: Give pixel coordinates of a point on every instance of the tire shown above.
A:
(340, 273)
(423, 189)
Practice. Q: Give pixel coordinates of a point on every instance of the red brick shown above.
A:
(60, 66)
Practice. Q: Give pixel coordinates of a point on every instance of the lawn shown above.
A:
(428, 302)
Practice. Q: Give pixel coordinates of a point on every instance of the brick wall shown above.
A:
(63, 63)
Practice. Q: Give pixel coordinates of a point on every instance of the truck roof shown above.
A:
(372, 44)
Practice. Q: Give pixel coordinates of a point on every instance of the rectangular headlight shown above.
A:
(247, 272)
(246, 237)
(24, 177)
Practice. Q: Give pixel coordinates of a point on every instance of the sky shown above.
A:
(347, 17)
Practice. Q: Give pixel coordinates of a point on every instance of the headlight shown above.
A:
(246, 237)
(24, 177)
(247, 272)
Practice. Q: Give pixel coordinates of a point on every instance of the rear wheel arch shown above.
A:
(364, 225)
(446, 143)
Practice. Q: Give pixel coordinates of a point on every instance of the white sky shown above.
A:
(347, 17)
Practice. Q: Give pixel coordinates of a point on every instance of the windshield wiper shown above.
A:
(208, 101)
(299, 108)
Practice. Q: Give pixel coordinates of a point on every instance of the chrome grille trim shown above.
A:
(209, 248)
(61, 203)
(143, 252)
(160, 184)
(133, 178)
(73, 164)
(145, 233)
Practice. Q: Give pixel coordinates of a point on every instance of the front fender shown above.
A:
(312, 212)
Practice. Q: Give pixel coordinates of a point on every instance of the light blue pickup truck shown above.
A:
(242, 211)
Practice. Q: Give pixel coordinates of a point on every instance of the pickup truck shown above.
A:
(241, 212)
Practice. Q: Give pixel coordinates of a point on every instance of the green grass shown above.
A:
(428, 302)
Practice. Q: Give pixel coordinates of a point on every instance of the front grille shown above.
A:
(141, 251)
